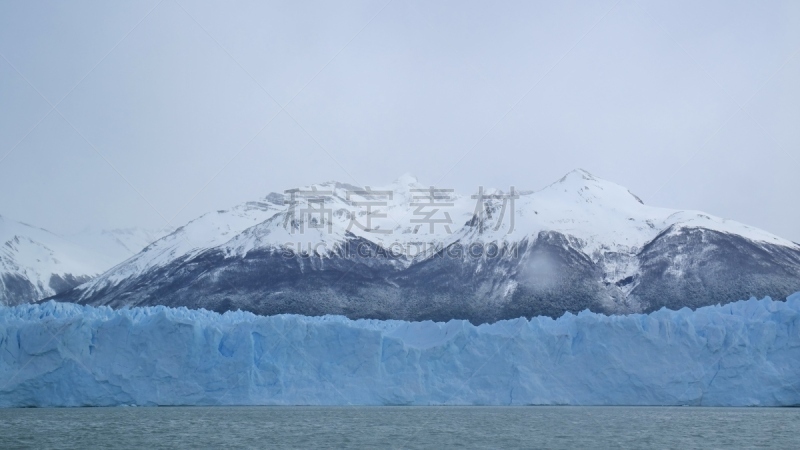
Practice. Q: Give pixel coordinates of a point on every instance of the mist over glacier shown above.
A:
(59, 354)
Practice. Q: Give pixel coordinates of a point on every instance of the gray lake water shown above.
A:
(401, 427)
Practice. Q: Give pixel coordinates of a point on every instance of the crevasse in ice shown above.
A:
(56, 354)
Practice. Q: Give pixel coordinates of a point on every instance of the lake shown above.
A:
(401, 427)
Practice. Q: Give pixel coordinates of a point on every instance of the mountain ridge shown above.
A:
(579, 243)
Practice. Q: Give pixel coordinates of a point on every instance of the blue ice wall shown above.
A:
(56, 354)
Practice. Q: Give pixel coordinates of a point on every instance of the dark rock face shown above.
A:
(697, 267)
(17, 289)
(547, 276)
(66, 282)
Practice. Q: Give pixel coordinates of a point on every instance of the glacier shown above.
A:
(745, 353)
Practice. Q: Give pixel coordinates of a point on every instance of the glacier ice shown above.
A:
(57, 354)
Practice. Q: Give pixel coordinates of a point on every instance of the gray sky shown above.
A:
(161, 110)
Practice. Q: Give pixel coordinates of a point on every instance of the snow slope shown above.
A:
(207, 231)
(602, 214)
(118, 244)
(607, 216)
(59, 354)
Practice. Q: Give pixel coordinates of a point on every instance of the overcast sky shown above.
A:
(166, 110)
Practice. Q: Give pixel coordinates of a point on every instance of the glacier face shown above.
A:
(59, 354)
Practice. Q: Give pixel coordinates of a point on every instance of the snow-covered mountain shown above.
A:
(35, 263)
(408, 252)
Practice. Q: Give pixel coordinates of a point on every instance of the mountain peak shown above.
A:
(580, 180)
(578, 174)
(406, 179)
